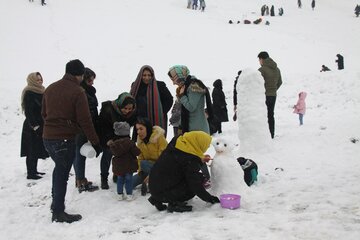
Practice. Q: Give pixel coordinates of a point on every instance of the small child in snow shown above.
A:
(300, 107)
(124, 162)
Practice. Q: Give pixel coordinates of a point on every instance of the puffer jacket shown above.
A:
(272, 76)
(125, 153)
(156, 145)
(300, 106)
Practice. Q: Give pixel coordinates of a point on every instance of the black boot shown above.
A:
(104, 183)
(179, 207)
(33, 177)
(144, 189)
(159, 205)
(64, 217)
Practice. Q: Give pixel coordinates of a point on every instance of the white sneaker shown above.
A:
(130, 197)
(122, 197)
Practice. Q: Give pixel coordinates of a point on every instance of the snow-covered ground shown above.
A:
(314, 191)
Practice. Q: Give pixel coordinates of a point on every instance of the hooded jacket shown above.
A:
(272, 76)
(300, 106)
(156, 145)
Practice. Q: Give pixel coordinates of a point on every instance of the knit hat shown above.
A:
(75, 68)
(121, 129)
(263, 55)
(178, 73)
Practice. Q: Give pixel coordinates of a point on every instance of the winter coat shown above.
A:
(193, 116)
(66, 112)
(31, 141)
(156, 145)
(108, 115)
(175, 118)
(180, 164)
(219, 103)
(125, 152)
(300, 106)
(272, 76)
(152, 99)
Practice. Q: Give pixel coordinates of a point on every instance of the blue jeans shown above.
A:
(105, 162)
(301, 117)
(62, 153)
(126, 179)
(79, 161)
(145, 166)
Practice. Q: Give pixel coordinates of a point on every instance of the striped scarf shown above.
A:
(154, 107)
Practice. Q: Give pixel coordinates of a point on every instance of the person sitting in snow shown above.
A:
(324, 68)
(176, 177)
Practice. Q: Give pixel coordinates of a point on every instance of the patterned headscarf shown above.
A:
(154, 107)
(33, 86)
(179, 73)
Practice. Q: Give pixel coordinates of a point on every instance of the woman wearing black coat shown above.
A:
(32, 146)
(176, 176)
(219, 105)
(153, 98)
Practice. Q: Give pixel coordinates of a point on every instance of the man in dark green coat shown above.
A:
(272, 77)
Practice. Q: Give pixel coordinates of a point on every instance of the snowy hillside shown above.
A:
(308, 175)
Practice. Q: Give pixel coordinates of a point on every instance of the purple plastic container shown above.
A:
(230, 201)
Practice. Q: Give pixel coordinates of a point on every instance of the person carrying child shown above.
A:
(124, 162)
(300, 106)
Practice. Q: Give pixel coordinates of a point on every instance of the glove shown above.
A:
(98, 149)
(214, 199)
(38, 131)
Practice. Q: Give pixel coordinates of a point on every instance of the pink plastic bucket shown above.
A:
(230, 201)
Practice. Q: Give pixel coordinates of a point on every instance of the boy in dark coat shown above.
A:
(176, 177)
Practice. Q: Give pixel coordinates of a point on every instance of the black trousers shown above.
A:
(270, 104)
(179, 193)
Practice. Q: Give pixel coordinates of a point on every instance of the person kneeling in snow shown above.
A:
(176, 177)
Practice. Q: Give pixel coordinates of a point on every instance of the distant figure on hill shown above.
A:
(299, 4)
(263, 8)
(313, 4)
(340, 61)
(272, 11)
(194, 4)
(202, 5)
(257, 21)
(281, 11)
(267, 10)
(324, 68)
(189, 3)
(357, 10)
(43, 3)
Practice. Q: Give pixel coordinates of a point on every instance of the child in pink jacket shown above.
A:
(300, 106)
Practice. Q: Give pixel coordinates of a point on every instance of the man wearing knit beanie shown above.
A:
(66, 112)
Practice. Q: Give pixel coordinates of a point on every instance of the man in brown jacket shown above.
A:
(65, 111)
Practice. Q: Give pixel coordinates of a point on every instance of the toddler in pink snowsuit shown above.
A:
(300, 106)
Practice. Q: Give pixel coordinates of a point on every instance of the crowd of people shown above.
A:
(63, 117)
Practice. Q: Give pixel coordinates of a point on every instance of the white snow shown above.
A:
(308, 176)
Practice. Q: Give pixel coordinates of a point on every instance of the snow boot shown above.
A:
(64, 217)
(179, 207)
(159, 205)
(104, 183)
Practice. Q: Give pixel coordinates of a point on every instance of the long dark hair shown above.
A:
(145, 122)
